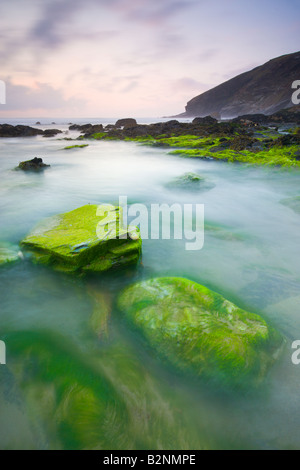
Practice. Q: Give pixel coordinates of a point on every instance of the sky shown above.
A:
(133, 58)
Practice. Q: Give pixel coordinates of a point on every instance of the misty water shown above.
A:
(250, 255)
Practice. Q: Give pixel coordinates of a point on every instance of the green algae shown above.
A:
(200, 331)
(228, 149)
(84, 240)
(75, 146)
(190, 181)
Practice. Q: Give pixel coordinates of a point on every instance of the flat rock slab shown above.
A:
(90, 238)
(200, 331)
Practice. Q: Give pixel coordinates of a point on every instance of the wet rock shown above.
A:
(69, 402)
(200, 331)
(88, 239)
(36, 164)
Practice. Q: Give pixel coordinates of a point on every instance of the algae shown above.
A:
(85, 239)
(200, 331)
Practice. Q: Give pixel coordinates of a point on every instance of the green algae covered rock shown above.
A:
(190, 182)
(90, 238)
(9, 253)
(200, 331)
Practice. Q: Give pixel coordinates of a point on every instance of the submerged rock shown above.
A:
(191, 182)
(200, 331)
(9, 253)
(70, 403)
(90, 238)
(36, 164)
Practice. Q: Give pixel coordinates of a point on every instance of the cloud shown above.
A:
(207, 54)
(56, 17)
(131, 86)
(43, 96)
(151, 12)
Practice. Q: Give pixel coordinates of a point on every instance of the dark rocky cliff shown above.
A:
(265, 89)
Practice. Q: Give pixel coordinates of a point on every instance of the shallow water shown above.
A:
(250, 255)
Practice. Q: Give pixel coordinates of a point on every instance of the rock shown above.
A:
(7, 130)
(87, 239)
(200, 331)
(239, 143)
(126, 123)
(190, 182)
(9, 253)
(51, 132)
(69, 402)
(204, 120)
(86, 128)
(169, 125)
(36, 164)
(296, 155)
(38, 123)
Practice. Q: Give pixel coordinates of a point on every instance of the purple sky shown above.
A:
(121, 58)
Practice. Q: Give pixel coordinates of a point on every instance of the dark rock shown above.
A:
(204, 120)
(36, 164)
(7, 130)
(126, 123)
(87, 129)
(51, 132)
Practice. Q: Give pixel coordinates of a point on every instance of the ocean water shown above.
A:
(250, 255)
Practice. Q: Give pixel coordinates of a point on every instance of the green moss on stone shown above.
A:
(191, 182)
(73, 242)
(200, 331)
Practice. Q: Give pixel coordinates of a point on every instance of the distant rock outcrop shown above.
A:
(8, 130)
(265, 89)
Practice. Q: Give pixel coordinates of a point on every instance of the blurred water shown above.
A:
(250, 255)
